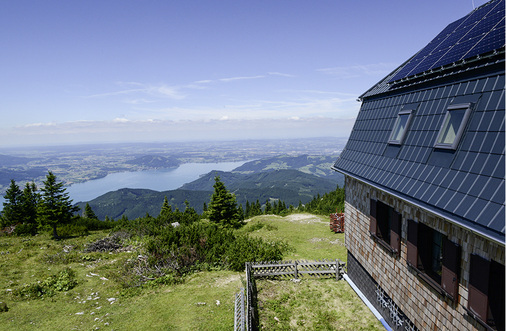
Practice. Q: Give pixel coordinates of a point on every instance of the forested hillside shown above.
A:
(155, 161)
(134, 203)
(291, 179)
(317, 165)
(290, 186)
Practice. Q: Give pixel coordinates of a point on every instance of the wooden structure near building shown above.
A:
(337, 222)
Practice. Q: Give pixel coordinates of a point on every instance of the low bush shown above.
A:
(93, 224)
(63, 281)
(72, 230)
(183, 248)
(26, 229)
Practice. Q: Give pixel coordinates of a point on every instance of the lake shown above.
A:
(158, 180)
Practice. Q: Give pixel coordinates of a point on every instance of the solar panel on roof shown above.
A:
(480, 32)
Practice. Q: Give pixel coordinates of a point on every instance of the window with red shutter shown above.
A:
(385, 226)
(434, 257)
(412, 243)
(372, 217)
(451, 268)
(486, 292)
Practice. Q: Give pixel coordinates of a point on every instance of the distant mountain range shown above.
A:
(155, 161)
(8, 160)
(288, 178)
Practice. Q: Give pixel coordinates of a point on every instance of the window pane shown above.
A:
(451, 126)
(437, 252)
(399, 127)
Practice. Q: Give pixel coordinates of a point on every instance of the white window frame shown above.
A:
(453, 145)
(394, 132)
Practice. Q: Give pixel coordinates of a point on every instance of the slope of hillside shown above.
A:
(318, 165)
(134, 203)
(289, 180)
(292, 179)
(155, 161)
(291, 186)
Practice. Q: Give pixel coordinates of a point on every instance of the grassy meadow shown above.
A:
(93, 297)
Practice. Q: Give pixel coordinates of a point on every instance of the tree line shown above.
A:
(31, 210)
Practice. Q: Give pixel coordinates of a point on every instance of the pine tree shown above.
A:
(223, 206)
(275, 208)
(166, 208)
(55, 207)
(247, 213)
(268, 207)
(30, 205)
(258, 208)
(89, 213)
(240, 213)
(13, 209)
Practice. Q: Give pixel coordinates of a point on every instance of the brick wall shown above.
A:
(421, 304)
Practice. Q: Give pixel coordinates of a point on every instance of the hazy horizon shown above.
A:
(107, 71)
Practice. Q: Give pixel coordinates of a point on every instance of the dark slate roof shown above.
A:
(465, 185)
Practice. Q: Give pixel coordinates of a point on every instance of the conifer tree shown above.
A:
(31, 200)
(56, 206)
(268, 207)
(166, 208)
(13, 209)
(258, 208)
(240, 213)
(89, 213)
(247, 212)
(275, 208)
(223, 206)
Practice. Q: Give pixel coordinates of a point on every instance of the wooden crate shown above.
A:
(337, 222)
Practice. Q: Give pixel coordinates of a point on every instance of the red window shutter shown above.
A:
(479, 273)
(395, 231)
(412, 243)
(373, 224)
(451, 267)
(496, 294)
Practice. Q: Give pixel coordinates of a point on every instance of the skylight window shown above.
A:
(400, 127)
(453, 126)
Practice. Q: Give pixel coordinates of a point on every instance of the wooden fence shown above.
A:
(240, 312)
(281, 269)
(299, 269)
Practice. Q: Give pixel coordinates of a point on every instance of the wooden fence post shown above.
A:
(338, 267)
(296, 271)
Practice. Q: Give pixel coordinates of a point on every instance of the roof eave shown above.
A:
(490, 235)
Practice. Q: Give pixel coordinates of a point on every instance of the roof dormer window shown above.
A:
(453, 126)
(400, 127)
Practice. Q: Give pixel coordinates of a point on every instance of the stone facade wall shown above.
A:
(426, 308)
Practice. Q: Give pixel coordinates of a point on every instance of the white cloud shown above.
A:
(121, 130)
(138, 101)
(230, 79)
(377, 69)
(275, 73)
(157, 91)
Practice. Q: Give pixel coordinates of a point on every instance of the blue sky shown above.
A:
(107, 71)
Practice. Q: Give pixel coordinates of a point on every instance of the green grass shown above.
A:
(312, 304)
(88, 305)
(191, 305)
(308, 235)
